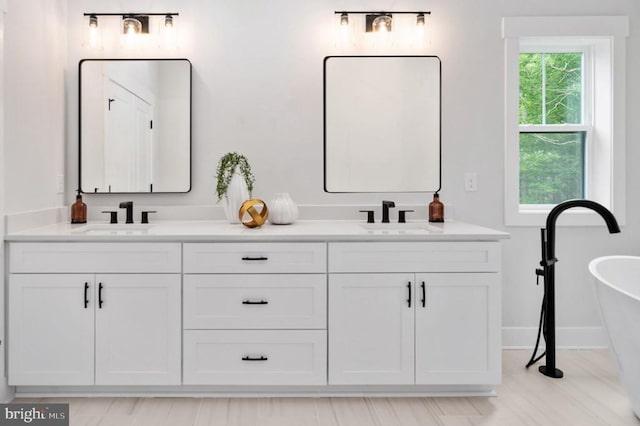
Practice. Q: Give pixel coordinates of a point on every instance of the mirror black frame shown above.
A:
(80, 122)
(324, 121)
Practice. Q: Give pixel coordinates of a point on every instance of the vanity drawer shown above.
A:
(255, 301)
(255, 258)
(270, 357)
(94, 257)
(463, 256)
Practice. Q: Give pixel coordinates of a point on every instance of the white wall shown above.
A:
(35, 62)
(257, 89)
(6, 392)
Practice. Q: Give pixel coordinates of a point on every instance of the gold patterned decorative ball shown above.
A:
(253, 213)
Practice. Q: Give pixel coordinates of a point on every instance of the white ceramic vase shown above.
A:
(282, 210)
(237, 193)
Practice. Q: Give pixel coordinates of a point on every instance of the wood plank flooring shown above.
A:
(589, 394)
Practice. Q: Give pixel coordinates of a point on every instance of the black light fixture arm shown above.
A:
(133, 14)
(382, 12)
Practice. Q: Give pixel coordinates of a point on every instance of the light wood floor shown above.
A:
(589, 394)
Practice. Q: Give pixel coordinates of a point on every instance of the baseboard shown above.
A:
(566, 338)
(239, 391)
(7, 393)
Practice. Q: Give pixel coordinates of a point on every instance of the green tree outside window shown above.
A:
(551, 162)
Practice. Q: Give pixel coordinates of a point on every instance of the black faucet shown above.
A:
(548, 242)
(129, 206)
(385, 210)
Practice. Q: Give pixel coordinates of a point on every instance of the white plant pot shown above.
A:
(282, 210)
(237, 193)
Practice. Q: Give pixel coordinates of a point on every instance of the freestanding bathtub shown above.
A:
(618, 287)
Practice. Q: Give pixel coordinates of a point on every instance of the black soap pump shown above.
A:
(79, 210)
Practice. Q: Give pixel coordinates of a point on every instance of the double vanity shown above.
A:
(204, 307)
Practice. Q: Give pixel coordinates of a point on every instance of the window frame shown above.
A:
(602, 40)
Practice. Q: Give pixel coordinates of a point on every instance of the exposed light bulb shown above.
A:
(93, 39)
(169, 36)
(343, 33)
(382, 24)
(132, 25)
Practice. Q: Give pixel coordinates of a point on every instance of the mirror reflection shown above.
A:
(382, 123)
(135, 125)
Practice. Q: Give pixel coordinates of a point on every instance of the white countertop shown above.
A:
(306, 230)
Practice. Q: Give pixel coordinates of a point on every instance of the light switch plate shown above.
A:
(470, 181)
(60, 184)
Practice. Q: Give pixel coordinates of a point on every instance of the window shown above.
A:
(553, 125)
(564, 80)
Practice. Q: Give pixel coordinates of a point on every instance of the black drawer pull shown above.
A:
(409, 299)
(255, 258)
(249, 358)
(424, 295)
(100, 301)
(86, 299)
(250, 302)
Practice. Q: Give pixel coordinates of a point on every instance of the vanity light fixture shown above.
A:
(382, 30)
(380, 21)
(134, 24)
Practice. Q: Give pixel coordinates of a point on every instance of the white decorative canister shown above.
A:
(282, 210)
(237, 193)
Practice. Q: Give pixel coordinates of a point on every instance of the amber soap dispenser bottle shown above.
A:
(79, 210)
(436, 209)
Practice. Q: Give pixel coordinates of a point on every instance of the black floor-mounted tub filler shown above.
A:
(547, 271)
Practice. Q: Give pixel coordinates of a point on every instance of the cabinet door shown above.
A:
(371, 328)
(458, 328)
(138, 329)
(50, 329)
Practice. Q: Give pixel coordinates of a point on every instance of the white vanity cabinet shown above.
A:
(425, 313)
(255, 314)
(94, 314)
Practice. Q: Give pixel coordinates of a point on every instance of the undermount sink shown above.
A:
(400, 228)
(114, 229)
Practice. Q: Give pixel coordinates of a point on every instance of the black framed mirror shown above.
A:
(135, 125)
(382, 123)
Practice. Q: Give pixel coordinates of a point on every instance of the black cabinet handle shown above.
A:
(100, 301)
(255, 258)
(424, 295)
(250, 302)
(409, 299)
(86, 299)
(249, 358)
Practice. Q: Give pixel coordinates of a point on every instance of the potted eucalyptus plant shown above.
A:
(234, 183)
